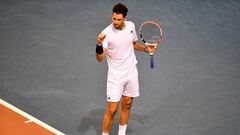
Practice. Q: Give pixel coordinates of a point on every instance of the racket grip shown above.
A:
(151, 62)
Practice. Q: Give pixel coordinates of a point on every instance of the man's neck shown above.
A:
(121, 28)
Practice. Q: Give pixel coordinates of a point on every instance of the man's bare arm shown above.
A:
(100, 51)
(101, 57)
(138, 46)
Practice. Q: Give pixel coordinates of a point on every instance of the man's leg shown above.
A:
(111, 110)
(126, 105)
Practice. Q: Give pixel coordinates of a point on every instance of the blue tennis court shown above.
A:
(48, 67)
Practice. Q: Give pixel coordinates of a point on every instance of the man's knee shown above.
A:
(127, 104)
(111, 111)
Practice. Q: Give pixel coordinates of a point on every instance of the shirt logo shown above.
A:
(109, 47)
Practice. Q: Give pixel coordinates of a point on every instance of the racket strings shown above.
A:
(150, 33)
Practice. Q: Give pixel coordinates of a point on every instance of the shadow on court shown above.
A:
(93, 121)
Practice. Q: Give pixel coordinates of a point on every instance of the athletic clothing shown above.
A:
(127, 86)
(120, 51)
(122, 70)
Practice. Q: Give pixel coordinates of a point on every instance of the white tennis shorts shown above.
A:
(127, 86)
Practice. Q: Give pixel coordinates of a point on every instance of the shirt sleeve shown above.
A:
(135, 37)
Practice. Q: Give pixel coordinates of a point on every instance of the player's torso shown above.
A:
(120, 50)
(120, 43)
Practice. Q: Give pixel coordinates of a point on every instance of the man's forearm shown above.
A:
(138, 46)
(100, 53)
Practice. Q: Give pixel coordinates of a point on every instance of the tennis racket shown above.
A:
(151, 35)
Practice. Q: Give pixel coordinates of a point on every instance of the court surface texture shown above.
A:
(48, 67)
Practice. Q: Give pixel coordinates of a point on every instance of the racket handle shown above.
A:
(151, 62)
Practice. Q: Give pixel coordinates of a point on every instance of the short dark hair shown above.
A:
(120, 9)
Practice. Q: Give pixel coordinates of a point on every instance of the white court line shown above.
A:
(31, 118)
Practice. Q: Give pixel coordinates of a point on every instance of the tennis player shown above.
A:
(117, 43)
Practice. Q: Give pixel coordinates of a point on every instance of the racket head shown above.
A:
(151, 33)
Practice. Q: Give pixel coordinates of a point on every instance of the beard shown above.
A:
(116, 26)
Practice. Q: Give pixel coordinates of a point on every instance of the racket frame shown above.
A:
(161, 32)
(155, 44)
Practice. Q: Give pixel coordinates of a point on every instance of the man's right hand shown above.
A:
(100, 38)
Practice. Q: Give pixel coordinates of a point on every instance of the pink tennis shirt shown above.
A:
(120, 50)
